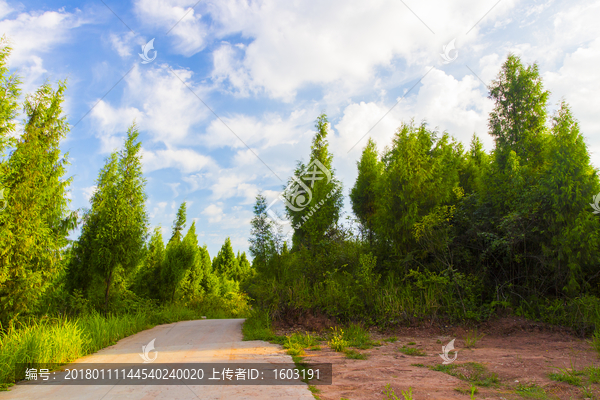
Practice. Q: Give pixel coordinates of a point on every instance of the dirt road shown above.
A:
(205, 341)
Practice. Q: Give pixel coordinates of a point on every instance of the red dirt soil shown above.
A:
(519, 351)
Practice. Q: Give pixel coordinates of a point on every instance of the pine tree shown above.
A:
(262, 237)
(179, 255)
(115, 228)
(147, 280)
(363, 194)
(314, 204)
(225, 263)
(35, 221)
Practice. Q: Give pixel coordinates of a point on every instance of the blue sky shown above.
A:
(268, 69)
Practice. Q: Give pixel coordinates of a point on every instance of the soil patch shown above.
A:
(513, 360)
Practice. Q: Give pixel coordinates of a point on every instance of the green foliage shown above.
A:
(315, 219)
(262, 237)
(391, 395)
(36, 221)
(226, 263)
(337, 341)
(114, 231)
(363, 195)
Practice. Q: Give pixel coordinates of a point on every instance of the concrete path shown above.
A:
(206, 341)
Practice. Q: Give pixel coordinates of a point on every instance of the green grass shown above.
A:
(61, 340)
(411, 343)
(474, 373)
(595, 341)
(337, 341)
(593, 374)
(411, 351)
(418, 365)
(391, 339)
(567, 377)
(355, 355)
(357, 336)
(532, 391)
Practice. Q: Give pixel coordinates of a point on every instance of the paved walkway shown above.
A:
(206, 341)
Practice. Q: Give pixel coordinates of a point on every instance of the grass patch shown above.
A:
(593, 374)
(61, 340)
(595, 341)
(355, 355)
(472, 338)
(357, 336)
(337, 341)
(411, 343)
(411, 351)
(472, 372)
(566, 376)
(531, 390)
(419, 365)
(392, 339)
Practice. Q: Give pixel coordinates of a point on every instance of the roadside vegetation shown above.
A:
(61, 299)
(440, 232)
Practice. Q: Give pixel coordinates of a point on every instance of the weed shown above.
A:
(531, 390)
(353, 354)
(337, 342)
(566, 376)
(314, 389)
(474, 391)
(474, 373)
(391, 395)
(593, 374)
(316, 348)
(587, 392)
(595, 342)
(391, 339)
(358, 337)
(419, 365)
(411, 351)
(411, 343)
(472, 338)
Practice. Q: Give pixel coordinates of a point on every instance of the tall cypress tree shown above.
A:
(363, 194)
(314, 219)
(115, 228)
(36, 220)
(262, 237)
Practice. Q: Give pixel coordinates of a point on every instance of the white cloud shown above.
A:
(122, 43)
(214, 212)
(88, 192)
(186, 160)
(179, 19)
(334, 43)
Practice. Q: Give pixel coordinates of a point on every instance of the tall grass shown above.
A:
(61, 340)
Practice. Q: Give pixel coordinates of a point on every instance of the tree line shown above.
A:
(115, 264)
(459, 231)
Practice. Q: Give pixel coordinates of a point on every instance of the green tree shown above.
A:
(9, 95)
(244, 266)
(363, 194)
(314, 204)
(179, 222)
(420, 174)
(225, 263)
(115, 228)
(572, 241)
(262, 237)
(36, 220)
(191, 282)
(147, 280)
(518, 120)
(179, 256)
